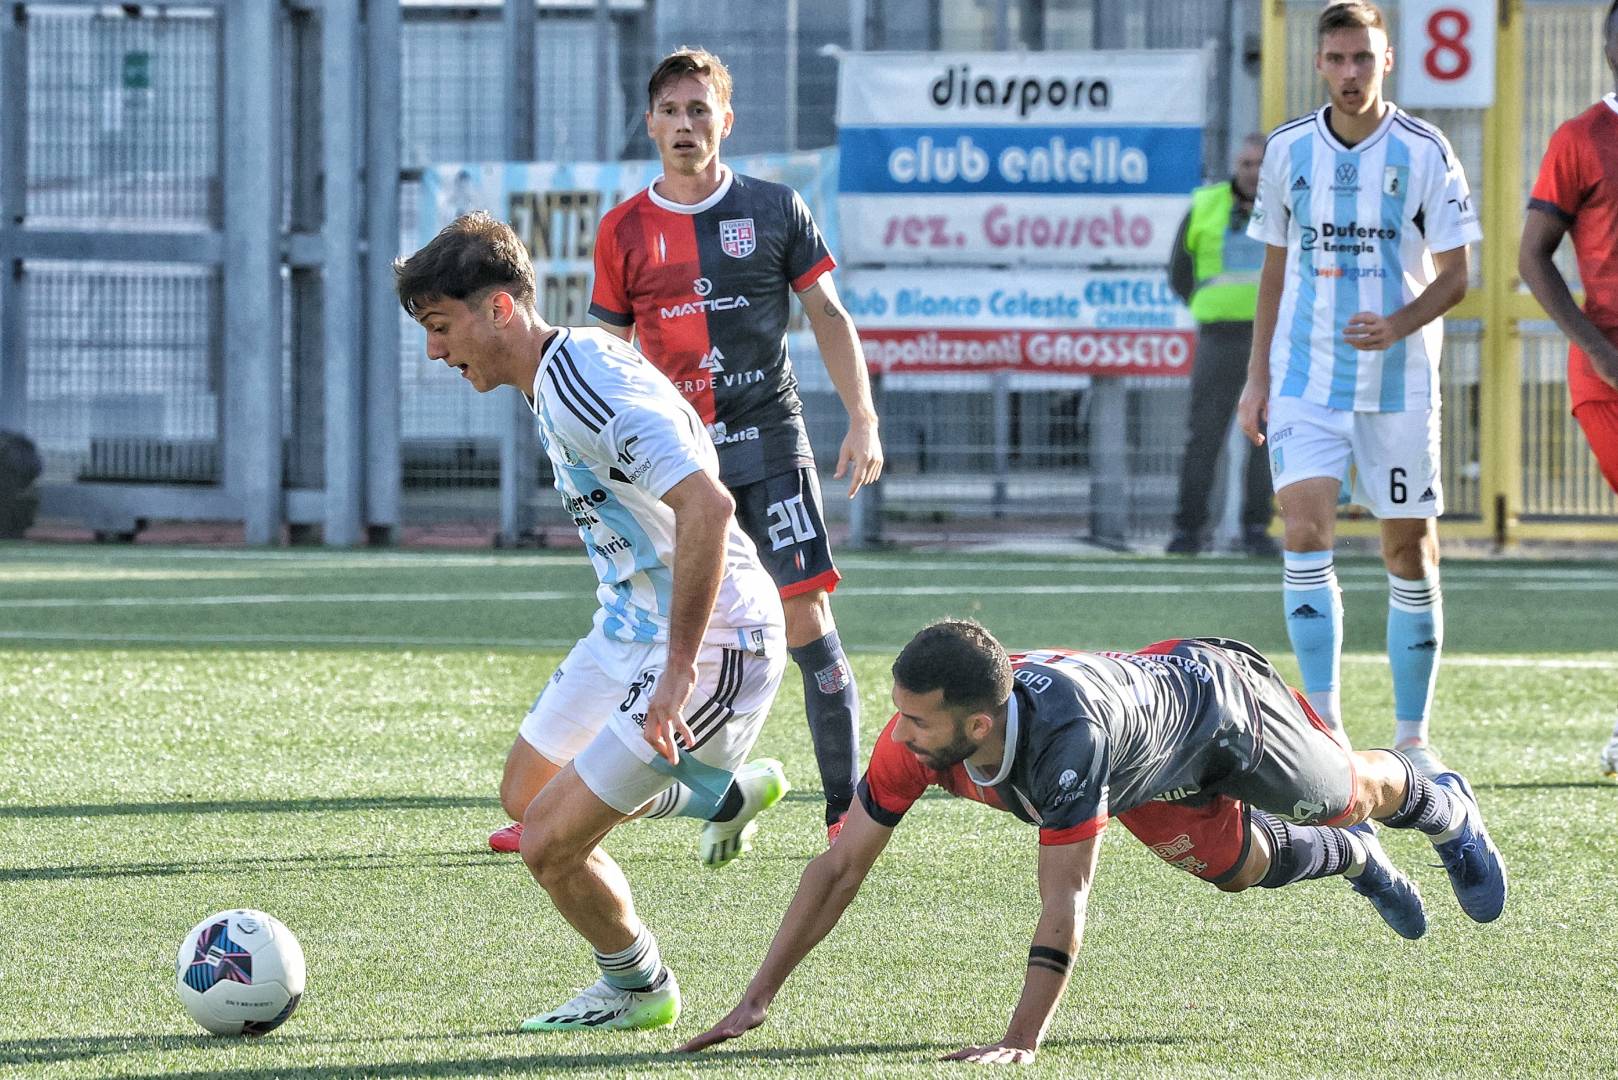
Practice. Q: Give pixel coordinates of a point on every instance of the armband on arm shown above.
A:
(1042, 956)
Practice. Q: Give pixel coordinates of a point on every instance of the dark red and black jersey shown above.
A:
(1097, 735)
(708, 289)
(1578, 185)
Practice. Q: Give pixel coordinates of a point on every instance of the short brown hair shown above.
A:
(689, 61)
(961, 658)
(1348, 15)
(470, 254)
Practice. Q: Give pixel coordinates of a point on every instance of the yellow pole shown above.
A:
(1500, 405)
(1272, 103)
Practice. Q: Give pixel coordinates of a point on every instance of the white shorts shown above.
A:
(591, 713)
(1394, 455)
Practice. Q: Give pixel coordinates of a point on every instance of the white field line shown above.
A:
(1469, 660)
(980, 589)
(478, 561)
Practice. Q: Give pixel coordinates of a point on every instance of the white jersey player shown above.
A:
(655, 710)
(1366, 215)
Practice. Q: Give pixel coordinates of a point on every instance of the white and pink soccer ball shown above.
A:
(240, 972)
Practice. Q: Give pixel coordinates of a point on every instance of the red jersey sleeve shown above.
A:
(893, 781)
(807, 256)
(1562, 184)
(609, 298)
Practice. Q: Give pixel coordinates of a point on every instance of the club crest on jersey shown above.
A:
(737, 237)
(1393, 180)
(834, 679)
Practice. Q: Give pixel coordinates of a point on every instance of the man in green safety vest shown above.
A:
(1214, 269)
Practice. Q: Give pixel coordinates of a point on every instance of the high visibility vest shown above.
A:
(1226, 263)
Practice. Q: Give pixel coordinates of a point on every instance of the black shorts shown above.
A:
(782, 515)
(1301, 773)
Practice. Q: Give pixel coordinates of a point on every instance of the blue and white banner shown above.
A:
(1064, 158)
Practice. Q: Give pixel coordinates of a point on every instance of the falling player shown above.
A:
(1066, 740)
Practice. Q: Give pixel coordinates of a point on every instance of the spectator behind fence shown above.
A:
(1214, 269)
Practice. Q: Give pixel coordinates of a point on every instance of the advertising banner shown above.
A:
(1099, 323)
(556, 207)
(1059, 158)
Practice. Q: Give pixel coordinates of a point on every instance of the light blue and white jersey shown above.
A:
(1360, 226)
(619, 436)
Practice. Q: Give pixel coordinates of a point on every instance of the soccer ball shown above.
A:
(239, 972)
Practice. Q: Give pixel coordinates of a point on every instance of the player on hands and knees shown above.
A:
(657, 707)
(1577, 194)
(699, 270)
(1366, 215)
(1195, 745)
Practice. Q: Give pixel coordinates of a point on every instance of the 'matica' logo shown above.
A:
(957, 87)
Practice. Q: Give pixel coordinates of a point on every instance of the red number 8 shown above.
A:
(1448, 27)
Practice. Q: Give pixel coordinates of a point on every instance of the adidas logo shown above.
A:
(1427, 496)
(1305, 611)
(1300, 184)
(1430, 645)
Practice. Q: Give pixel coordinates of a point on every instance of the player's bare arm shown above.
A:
(1370, 332)
(702, 511)
(1254, 404)
(861, 454)
(829, 883)
(1065, 873)
(1541, 234)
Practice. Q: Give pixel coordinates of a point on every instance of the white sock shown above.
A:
(635, 968)
(1327, 705)
(670, 802)
(1408, 733)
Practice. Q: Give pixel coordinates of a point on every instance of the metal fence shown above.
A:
(128, 357)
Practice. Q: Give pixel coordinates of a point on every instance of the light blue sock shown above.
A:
(1314, 614)
(1415, 638)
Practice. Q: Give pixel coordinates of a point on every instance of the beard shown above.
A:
(947, 757)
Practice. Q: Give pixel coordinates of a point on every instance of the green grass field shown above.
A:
(320, 735)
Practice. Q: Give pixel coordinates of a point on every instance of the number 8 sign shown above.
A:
(1445, 58)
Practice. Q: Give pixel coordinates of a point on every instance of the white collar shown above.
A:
(561, 335)
(1611, 100)
(1007, 756)
(726, 176)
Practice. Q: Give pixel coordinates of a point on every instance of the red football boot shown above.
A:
(508, 839)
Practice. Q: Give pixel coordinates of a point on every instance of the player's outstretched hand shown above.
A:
(742, 1019)
(1251, 412)
(998, 1054)
(665, 727)
(861, 457)
(1369, 332)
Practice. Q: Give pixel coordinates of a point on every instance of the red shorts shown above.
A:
(1209, 840)
(1599, 419)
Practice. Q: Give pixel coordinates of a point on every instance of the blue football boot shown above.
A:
(1476, 870)
(1392, 894)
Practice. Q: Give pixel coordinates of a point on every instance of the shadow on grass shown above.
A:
(544, 1060)
(78, 1048)
(300, 863)
(253, 806)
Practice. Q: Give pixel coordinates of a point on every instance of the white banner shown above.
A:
(1139, 87)
(1029, 229)
(1060, 158)
(1445, 58)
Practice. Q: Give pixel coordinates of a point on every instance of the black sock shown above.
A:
(730, 806)
(833, 706)
(1301, 852)
(1426, 807)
